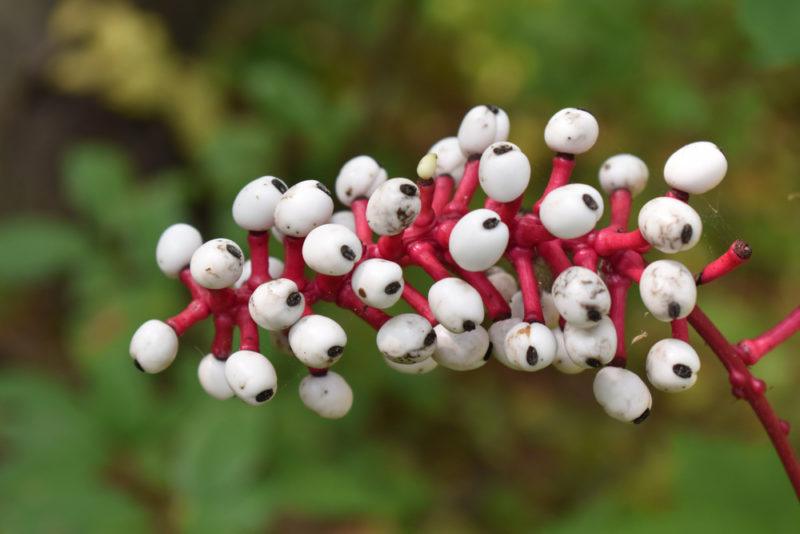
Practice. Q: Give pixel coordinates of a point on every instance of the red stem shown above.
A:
(294, 265)
(506, 210)
(680, 329)
(196, 311)
(523, 264)
(426, 214)
(363, 231)
(417, 300)
(422, 254)
(390, 247)
(620, 201)
(559, 176)
(466, 188)
(248, 331)
(618, 288)
(554, 256)
(756, 348)
(259, 258)
(195, 290)
(347, 299)
(608, 241)
(738, 253)
(495, 304)
(223, 335)
(443, 189)
(585, 257)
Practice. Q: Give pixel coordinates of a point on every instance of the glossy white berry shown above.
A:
(393, 206)
(154, 346)
(670, 225)
(571, 131)
(503, 281)
(591, 347)
(303, 207)
(406, 338)
(345, 218)
(211, 373)
(622, 394)
(254, 206)
(328, 395)
(277, 304)
(217, 264)
(275, 269)
(696, 168)
(581, 296)
(426, 168)
(251, 376)
(571, 210)
(668, 290)
(378, 283)
(623, 171)
(497, 338)
(562, 362)
(482, 126)
(530, 346)
(449, 157)
(461, 352)
(331, 249)
(317, 341)
(504, 171)
(415, 368)
(478, 240)
(456, 304)
(672, 365)
(175, 248)
(358, 178)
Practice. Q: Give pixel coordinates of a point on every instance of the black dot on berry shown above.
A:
(491, 222)
(347, 253)
(681, 370)
(468, 326)
(494, 109)
(593, 314)
(686, 233)
(502, 149)
(265, 395)
(642, 417)
(234, 251)
(138, 365)
(294, 298)
(408, 190)
(362, 293)
(279, 185)
(531, 356)
(324, 189)
(430, 338)
(590, 202)
(488, 352)
(593, 362)
(335, 351)
(674, 310)
(392, 288)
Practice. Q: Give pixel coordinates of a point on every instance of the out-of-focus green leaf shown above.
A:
(96, 180)
(36, 248)
(772, 26)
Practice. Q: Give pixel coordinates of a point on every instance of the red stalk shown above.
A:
(363, 231)
(426, 214)
(443, 189)
(755, 349)
(680, 329)
(196, 311)
(417, 300)
(555, 257)
(294, 264)
(620, 201)
(608, 241)
(422, 254)
(738, 253)
(559, 175)
(259, 258)
(495, 304)
(248, 331)
(523, 264)
(466, 188)
(349, 300)
(618, 288)
(223, 335)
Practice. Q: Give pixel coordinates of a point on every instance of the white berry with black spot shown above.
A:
(622, 394)
(328, 395)
(456, 304)
(571, 131)
(482, 126)
(393, 206)
(478, 240)
(672, 365)
(530, 346)
(154, 346)
(562, 362)
(415, 368)
(571, 210)
(406, 338)
(449, 157)
(623, 171)
(254, 206)
(277, 304)
(497, 338)
(303, 207)
(251, 376)
(504, 171)
(358, 178)
(670, 225)
(211, 374)
(581, 296)
(331, 249)
(503, 281)
(461, 352)
(668, 290)
(378, 283)
(317, 341)
(696, 168)
(217, 264)
(591, 347)
(175, 248)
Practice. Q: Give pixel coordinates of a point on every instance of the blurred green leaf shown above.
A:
(772, 26)
(36, 248)
(96, 180)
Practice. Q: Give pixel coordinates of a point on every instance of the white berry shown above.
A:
(461, 352)
(497, 337)
(406, 338)
(672, 365)
(345, 218)
(478, 240)
(504, 171)
(622, 394)
(571, 131)
(277, 304)
(503, 281)
(696, 168)
(581, 296)
(378, 283)
(303, 207)
(530, 346)
(456, 304)
(175, 248)
(254, 206)
(482, 126)
(358, 178)
(317, 341)
(329, 395)
(549, 309)
(211, 373)
(275, 269)
(571, 210)
(154, 346)
(393, 206)
(217, 264)
(668, 290)
(670, 225)
(562, 362)
(591, 347)
(251, 376)
(449, 157)
(415, 368)
(331, 249)
(623, 171)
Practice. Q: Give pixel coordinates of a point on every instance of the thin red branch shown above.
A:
(363, 231)
(294, 265)
(738, 253)
(443, 189)
(559, 176)
(522, 260)
(755, 349)
(466, 188)
(417, 300)
(620, 201)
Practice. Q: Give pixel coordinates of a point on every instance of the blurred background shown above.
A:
(118, 118)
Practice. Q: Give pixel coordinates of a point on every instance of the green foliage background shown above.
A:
(157, 112)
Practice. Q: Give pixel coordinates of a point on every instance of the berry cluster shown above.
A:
(564, 306)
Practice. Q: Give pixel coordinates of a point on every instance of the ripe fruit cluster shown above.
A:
(564, 305)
